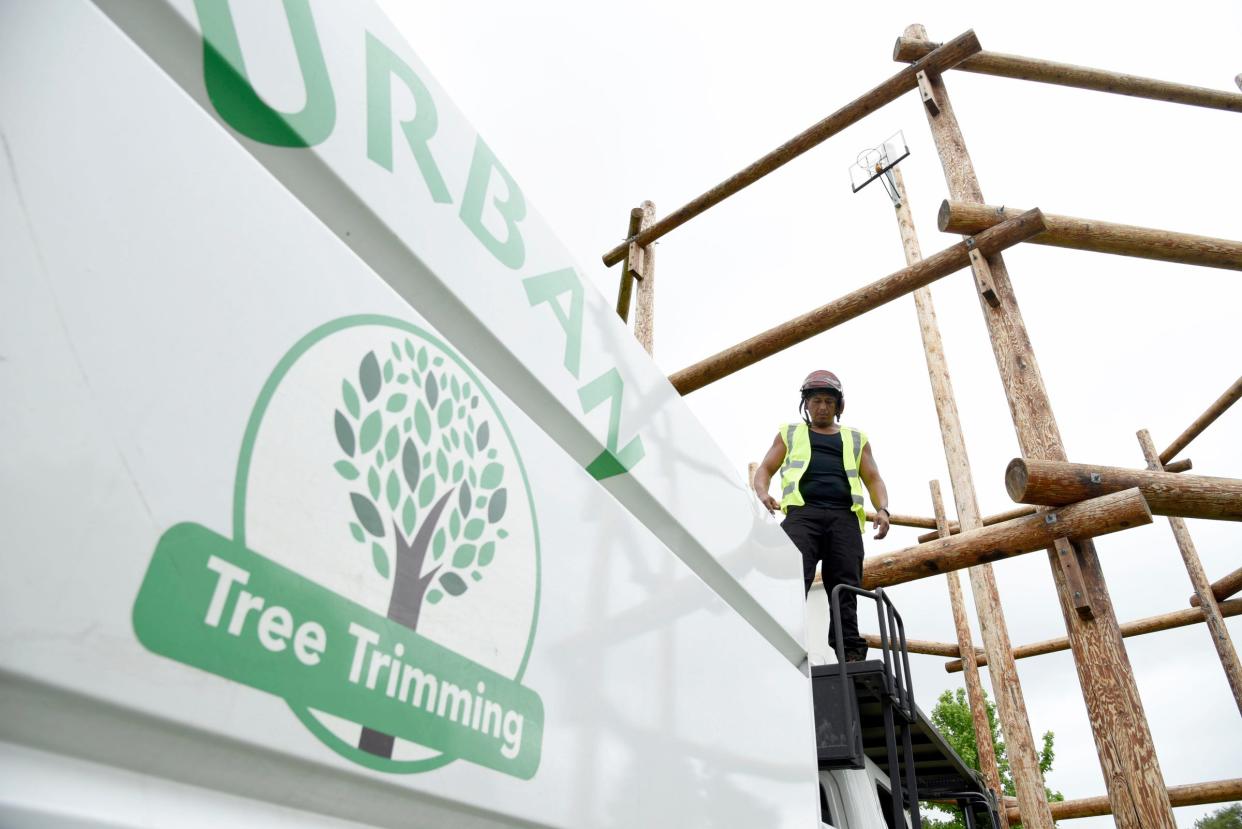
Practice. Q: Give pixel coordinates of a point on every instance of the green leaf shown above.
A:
(502, 534)
(373, 483)
(437, 544)
(426, 492)
(456, 389)
(496, 509)
(403, 377)
(394, 489)
(408, 515)
(438, 361)
(442, 465)
(480, 501)
(474, 402)
(491, 454)
(369, 376)
(492, 475)
(344, 433)
(379, 557)
(409, 464)
(407, 425)
(346, 470)
(469, 441)
(434, 596)
(370, 433)
(474, 481)
(431, 389)
(452, 584)
(388, 371)
(409, 349)
(461, 411)
(368, 515)
(444, 441)
(415, 379)
(422, 359)
(464, 556)
(454, 524)
(455, 438)
(396, 352)
(476, 575)
(463, 499)
(422, 422)
(486, 553)
(392, 441)
(483, 436)
(397, 402)
(443, 377)
(351, 399)
(465, 389)
(474, 528)
(458, 468)
(356, 531)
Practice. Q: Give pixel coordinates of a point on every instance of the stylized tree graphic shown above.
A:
(427, 490)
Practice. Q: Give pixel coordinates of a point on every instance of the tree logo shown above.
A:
(383, 575)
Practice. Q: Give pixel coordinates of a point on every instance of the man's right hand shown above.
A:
(771, 503)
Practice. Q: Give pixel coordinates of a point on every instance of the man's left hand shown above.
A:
(880, 522)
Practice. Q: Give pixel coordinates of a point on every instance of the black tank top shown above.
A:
(824, 483)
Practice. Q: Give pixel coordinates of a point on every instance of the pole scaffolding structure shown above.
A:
(1204, 420)
(1101, 237)
(1055, 483)
(1212, 616)
(1139, 627)
(1193, 794)
(909, 49)
(1085, 519)
(1131, 769)
(1223, 588)
(854, 304)
(937, 60)
(1006, 686)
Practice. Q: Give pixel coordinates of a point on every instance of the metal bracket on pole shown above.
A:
(983, 273)
(1068, 559)
(926, 93)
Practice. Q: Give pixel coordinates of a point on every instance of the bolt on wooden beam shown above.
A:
(852, 305)
(1223, 588)
(1194, 794)
(936, 60)
(1085, 519)
(1218, 408)
(1138, 627)
(1063, 74)
(1123, 737)
(1101, 237)
(1212, 617)
(1055, 483)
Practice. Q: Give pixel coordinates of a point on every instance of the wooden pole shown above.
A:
(937, 60)
(1101, 237)
(985, 750)
(898, 520)
(1204, 420)
(1203, 588)
(1063, 74)
(853, 304)
(1139, 627)
(1006, 686)
(1123, 738)
(1085, 519)
(644, 311)
(1194, 794)
(1223, 588)
(1054, 483)
(988, 520)
(922, 646)
(626, 290)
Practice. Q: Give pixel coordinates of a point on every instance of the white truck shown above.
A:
(333, 494)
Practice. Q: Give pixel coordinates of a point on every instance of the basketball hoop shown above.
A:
(878, 163)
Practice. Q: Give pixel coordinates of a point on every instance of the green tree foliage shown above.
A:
(952, 719)
(415, 444)
(1229, 817)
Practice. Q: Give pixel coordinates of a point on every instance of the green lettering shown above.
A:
(610, 386)
(511, 251)
(547, 288)
(382, 65)
(233, 96)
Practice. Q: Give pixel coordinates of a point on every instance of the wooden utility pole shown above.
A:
(1203, 588)
(1006, 686)
(974, 687)
(1136, 787)
(1053, 483)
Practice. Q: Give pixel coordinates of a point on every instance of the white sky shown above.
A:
(595, 107)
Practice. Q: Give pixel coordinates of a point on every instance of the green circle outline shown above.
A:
(286, 362)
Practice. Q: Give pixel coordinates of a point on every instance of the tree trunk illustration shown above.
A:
(409, 586)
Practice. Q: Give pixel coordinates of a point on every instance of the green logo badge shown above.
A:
(383, 574)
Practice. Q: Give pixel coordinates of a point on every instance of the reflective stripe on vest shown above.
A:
(797, 437)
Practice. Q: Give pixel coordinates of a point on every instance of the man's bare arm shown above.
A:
(876, 488)
(764, 472)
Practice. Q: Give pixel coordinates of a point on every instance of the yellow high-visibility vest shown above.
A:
(797, 437)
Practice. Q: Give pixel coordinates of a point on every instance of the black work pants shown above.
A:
(830, 535)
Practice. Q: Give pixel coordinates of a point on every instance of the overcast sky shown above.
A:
(595, 107)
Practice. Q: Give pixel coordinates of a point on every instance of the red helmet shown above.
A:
(821, 380)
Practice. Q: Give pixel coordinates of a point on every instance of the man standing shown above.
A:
(821, 464)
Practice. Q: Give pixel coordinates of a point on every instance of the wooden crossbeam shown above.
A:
(1218, 408)
(1194, 794)
(1223, 588)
